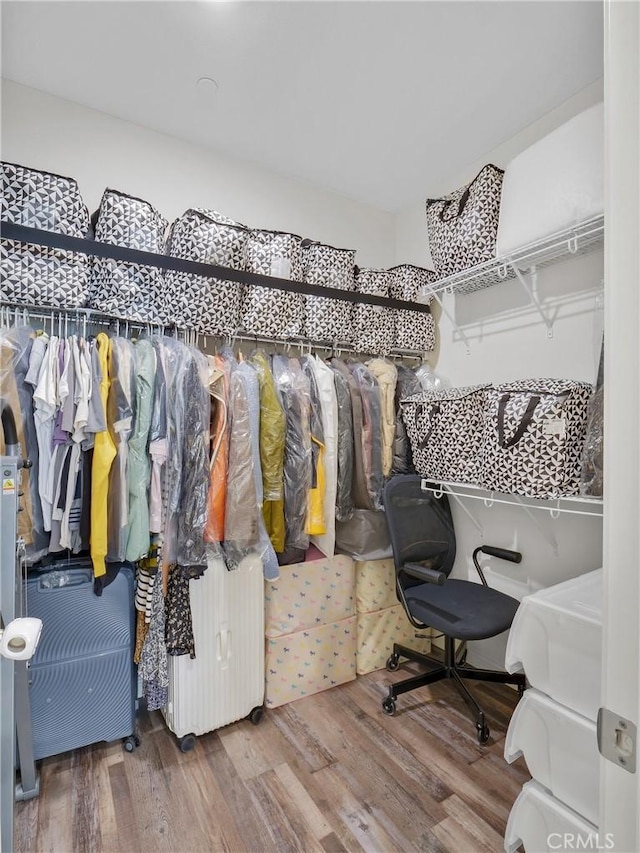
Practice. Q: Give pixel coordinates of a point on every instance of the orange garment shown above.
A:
(217, 498)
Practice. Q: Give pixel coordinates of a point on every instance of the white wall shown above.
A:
(47, 132)
(508, 340)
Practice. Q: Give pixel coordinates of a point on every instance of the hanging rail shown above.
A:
(38, 237)
(16, 313)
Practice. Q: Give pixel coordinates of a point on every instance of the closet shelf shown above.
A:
(93, 248)
(578, 240)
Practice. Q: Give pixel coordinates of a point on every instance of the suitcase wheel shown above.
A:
(131, 742)
(256, 715)
(187, 743)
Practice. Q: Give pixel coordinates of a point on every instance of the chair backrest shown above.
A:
(420, 527)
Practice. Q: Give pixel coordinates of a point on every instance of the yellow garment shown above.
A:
(315, 511)
(104, 452)
(273, 514)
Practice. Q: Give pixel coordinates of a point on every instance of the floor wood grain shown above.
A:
(329, 773)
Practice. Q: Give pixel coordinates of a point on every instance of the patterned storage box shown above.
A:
(375, 585)
(328, 319)
(446, 430)
(208, 305)
(309, 594)
(373, 326)
(463, 226)
(534, 436)
(307, 662)
(129, 290)
(37, 275)
(414, 330)
(378, 631)
(267, 311)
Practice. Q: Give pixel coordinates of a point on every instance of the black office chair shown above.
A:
(424, 550)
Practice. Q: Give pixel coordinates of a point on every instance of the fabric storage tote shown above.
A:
(128, 290)
(265, 310)
(414, 330)
(208, 305)
(463, 225)
(373, 325)
(328, 319)
(38, 275)
(445, 430)
(534, 435)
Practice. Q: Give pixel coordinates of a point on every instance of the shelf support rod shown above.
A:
(533, 296)
(445, 488)
(450, 318)
(546, 534)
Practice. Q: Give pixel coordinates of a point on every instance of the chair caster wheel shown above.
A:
(187, 743)
(393, 663)
(389, 706)
(482, 733)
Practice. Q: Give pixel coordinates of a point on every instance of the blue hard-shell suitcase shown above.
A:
(82, 677)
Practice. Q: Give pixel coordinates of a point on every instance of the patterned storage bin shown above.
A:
(446, 432)
(267, 311)
(414, 330)
(328, 319)
(307, 662)
(129, 290)
(37, 275)
(534, 436)
(375, 585)
(309, 594)
(373, 326)
(378, 631)
(208, 305)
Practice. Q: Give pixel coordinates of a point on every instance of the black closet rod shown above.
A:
(38, 237)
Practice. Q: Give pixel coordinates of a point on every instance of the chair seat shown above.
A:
(461, 609)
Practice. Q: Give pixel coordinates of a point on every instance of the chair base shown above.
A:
(449, 669)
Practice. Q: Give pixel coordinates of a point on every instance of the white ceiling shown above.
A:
(378, 101)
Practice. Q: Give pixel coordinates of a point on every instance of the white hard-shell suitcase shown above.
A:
(225, 681)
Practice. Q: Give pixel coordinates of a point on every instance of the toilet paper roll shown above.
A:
(20, 638)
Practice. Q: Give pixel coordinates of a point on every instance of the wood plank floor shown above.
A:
(328, 773)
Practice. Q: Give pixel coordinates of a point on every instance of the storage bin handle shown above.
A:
(435, 410)
(522, 426)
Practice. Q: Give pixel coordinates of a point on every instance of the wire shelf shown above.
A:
(571, 504)
(578, 240)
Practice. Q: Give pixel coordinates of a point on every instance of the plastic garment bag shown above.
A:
(407, 384)
(293, 388)
(386, 375)
(272, 430)
(265, 549)
(120, 417)
(371, 435)
(220, 425)
(15, 350)
(324, 377)
(359, 490)
(344, 447)
(192, 511)
(315, 510)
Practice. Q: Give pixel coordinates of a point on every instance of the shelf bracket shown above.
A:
(546, 534)
(533, 296)
(450, 318)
